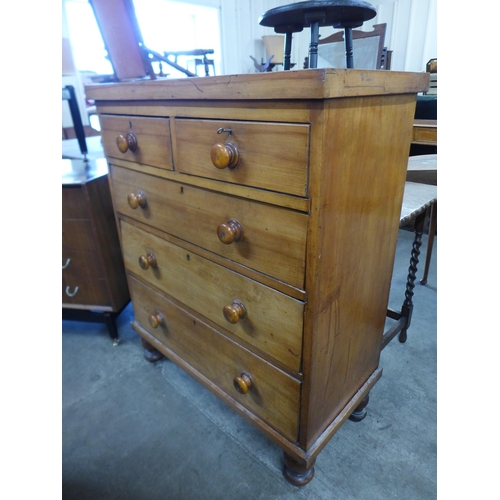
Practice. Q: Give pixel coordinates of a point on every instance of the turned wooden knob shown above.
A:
(234, 312)
(145, 261)
(230, 231)
(155, 320)
(126, 142)
(137, 200)
(243, 383)
(224, 155)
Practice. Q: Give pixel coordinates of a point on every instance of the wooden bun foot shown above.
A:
(150, 353)
(360, 412)
(296, 473)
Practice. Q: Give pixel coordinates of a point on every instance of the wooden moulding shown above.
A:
(302, 84)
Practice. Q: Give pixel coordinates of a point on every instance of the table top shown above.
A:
(417, 198)
(78, 172)
(422, 162)
(326, 83)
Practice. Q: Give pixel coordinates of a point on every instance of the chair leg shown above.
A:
(430, 242)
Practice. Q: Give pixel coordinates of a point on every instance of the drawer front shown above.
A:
(82, 274)
(273, 240)
(77, 236)
(269, 320)
(273, 395)
(424, 134)
(152, 138)
(80, 288)
(270, 155)
(74, 203)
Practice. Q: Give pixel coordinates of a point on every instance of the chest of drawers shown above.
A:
(94, 285)
(258, 216)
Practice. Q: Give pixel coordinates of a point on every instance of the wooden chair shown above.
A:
(130, 58)
(369, 50)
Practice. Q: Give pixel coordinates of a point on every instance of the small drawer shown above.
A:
(271, 156)
(137, 139)
(265, 390)
(265, 318)
(272, 239)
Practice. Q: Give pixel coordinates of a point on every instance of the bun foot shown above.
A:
(150, 353)
(360, 412)
(296, 473)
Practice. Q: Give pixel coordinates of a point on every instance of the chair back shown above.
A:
(368, 49)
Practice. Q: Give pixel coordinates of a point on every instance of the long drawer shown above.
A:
(269, 320)
(273, 156)
(140, 139)
(273, 239)
(272, 395)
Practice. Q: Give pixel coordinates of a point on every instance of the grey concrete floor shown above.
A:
(133, 430)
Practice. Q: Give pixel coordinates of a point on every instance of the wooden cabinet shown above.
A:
(259, 244)
(94, 285)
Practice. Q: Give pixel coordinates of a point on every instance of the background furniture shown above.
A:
(130, 58)
(422, 169)
(252, 245)
(368, 45)
(68, 94)
(419, 201)
(94, 286)
(293, 18)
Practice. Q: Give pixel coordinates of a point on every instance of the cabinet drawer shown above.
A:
(74, 203)
(77, 236)
(152, 139)
(273, 395)
(78, 288)
(270, 155)
(273, 240)
(271, 321)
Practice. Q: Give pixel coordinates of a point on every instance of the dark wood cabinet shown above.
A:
(94, 286)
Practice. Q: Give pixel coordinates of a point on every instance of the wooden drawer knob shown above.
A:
(137, 200)
(243, 383)
(234, 312)
(224, 155)
(145, 261)
(126, 142)
(230, 231)
(155, 320)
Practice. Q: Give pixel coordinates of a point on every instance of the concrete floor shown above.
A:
(133, 430)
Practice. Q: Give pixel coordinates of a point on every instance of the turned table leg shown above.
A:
(407, 308)
(150, 353)
(360, 412)
(297, 473)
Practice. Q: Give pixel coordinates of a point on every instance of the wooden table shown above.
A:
(418, 201)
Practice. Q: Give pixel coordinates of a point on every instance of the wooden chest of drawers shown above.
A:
(258, 216)
(94, 285)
